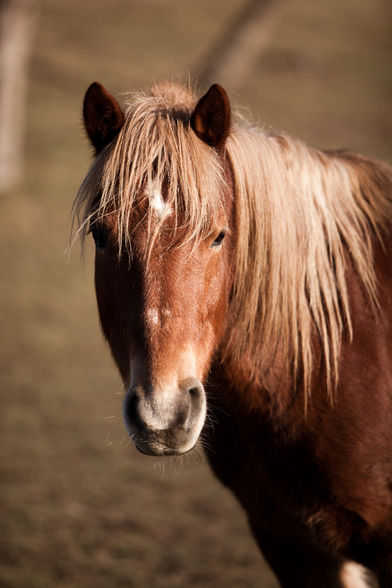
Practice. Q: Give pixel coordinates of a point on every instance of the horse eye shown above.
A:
(218, 239)
(99, 236)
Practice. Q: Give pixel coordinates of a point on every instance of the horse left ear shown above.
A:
(102, 114)
(211, 118)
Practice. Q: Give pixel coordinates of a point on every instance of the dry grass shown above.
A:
(79, 506)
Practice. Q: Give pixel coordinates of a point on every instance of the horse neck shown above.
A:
(330, 208)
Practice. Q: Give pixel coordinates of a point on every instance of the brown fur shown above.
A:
(102, 116)
(211, 118)
(288, 323)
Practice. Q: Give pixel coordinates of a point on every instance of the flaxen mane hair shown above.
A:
(155, 151)
(299, 211)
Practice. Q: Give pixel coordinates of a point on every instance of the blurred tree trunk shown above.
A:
(232, 57)
(16, 27)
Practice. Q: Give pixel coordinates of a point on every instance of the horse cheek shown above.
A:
(214, 305)
(113, 309)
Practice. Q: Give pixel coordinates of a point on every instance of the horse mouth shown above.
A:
(160, 450)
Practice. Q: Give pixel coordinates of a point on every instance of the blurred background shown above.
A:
(79, 506)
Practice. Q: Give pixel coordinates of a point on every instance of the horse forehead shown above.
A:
(157, 202)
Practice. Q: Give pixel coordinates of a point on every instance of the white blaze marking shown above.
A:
(157, 202)
(153, 316)
(353, 575)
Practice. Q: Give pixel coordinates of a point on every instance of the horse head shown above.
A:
(163, 296)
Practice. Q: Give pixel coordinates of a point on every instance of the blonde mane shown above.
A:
(154, 151)
(299, 211)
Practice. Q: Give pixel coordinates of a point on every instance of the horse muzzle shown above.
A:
(165, 422)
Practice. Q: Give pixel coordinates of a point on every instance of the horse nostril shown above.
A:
(196, 394)
(131, 407)
(190, 403)
(193, 386)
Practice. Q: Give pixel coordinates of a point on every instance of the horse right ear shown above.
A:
(102, 115)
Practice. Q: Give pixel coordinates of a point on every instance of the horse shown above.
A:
(244, 285)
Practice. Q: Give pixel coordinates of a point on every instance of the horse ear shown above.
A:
(211, 117)
(102, 115)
